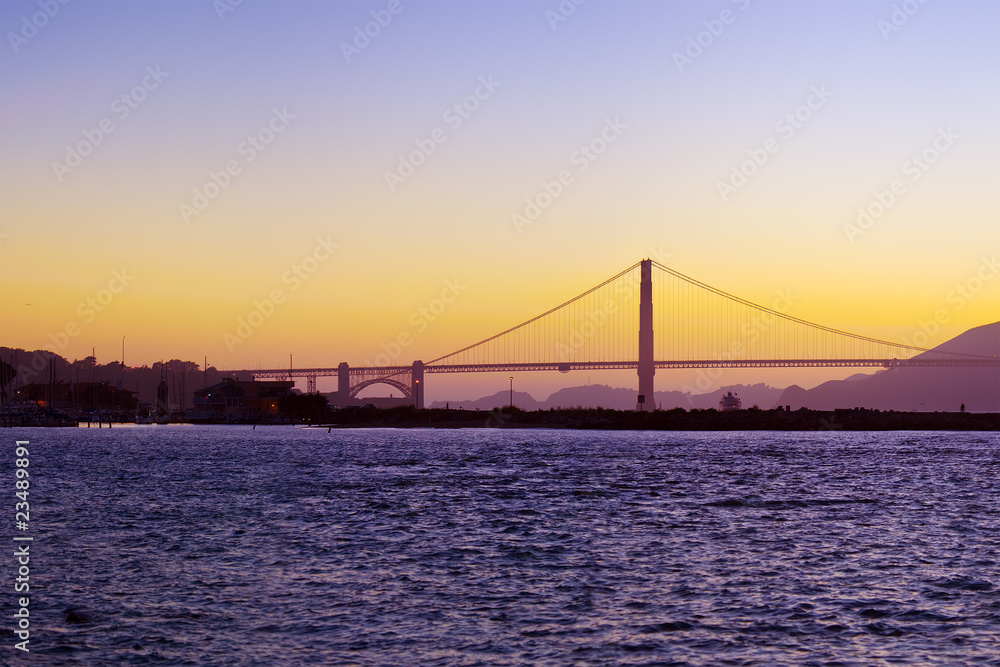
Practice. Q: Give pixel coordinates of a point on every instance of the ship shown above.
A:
(729, 403)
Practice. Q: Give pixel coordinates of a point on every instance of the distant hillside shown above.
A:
(616, 398)
(501, 399)
(921, 389)
(761, 395)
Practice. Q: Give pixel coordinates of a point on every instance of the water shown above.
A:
(225, 545)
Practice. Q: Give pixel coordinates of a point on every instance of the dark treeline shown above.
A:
(677, 419)
(182, 377)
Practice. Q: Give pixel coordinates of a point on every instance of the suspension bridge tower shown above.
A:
(647, 364)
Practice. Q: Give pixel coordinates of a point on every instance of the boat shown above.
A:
(729, 403)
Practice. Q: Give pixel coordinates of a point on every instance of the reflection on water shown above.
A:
(226, 545)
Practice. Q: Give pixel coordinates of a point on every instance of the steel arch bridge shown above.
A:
(359, 387)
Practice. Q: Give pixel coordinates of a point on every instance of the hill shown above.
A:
(617, 398)
(921, 389)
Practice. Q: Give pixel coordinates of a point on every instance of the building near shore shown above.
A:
(239, 400)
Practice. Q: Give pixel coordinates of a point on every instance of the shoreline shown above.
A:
(678, 419)
(857, 419)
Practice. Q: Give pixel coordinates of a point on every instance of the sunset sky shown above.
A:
(191, 160)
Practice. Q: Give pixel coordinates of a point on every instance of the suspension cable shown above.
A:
(534, 319)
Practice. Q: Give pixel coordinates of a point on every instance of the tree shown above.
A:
(7, 374)
(179, 366)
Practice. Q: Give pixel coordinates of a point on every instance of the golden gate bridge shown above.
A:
(614, 325)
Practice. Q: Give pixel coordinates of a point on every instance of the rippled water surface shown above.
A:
(276, 546)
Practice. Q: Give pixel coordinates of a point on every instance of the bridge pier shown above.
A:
(344, 384)
(417, 384)
(647, 363)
